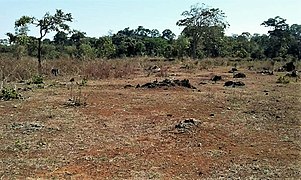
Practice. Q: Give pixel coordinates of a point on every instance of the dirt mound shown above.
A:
(234, 84)
(216, 78)
(167, 83)
(239, 75)
(233, 70)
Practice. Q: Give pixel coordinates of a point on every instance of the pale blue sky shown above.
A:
(98, 17)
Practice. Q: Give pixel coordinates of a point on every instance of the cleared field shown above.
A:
(244, 132)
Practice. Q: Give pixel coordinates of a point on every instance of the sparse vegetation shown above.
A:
(9, 93)
(283, 80)
(148, 105)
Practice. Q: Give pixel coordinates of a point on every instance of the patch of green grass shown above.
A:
(9, 93)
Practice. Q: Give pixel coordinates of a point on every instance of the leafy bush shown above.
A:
(9, 93)
(37, 79)
(282, 80)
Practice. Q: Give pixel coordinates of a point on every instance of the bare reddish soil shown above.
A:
(250, 132)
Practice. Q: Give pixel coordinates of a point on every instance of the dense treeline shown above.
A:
(199, 39)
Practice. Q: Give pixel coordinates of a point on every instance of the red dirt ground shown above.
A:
(250, 132)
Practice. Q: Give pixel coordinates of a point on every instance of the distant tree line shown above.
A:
(203, 36)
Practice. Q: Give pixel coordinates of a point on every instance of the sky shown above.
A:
(99, 17)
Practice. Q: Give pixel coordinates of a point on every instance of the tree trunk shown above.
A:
(39, 57)
(194, 48)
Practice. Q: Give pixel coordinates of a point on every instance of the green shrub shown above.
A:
(282, 80)
(37, 79)
(9, 93)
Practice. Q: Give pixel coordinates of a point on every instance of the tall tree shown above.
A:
(197, 20)
(46, 24)
(279, 36)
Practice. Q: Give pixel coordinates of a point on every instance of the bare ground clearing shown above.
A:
(129, 133)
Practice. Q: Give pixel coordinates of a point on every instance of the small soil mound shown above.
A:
(239, 75)
(234, 84)
(167, 83)
(216, 78)
(233, 70)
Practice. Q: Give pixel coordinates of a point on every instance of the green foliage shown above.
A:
(84, 82)
(203, 36)
(9, 93)
(37, 79)
(282, 80)
(197, 23)
(46, 24)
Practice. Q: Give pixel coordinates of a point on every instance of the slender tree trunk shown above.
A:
(194, 48)
(39, 57)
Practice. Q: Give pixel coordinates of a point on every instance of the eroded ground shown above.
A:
(130, 133)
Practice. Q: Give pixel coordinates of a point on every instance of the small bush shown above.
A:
(282, 80)
(9, 93)
(37, 79)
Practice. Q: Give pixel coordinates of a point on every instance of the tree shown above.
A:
(168, 34)
(46, 24)
(295, 45)
(197, 20)
(279, 36)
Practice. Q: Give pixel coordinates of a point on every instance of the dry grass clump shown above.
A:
(17, 70)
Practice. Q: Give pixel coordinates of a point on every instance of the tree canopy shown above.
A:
(202, 36)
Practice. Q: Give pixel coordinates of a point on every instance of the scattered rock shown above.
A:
(234, 84)
(187, 124)
(233, 70)
(167, 83)
(239, 75)
(266, 72)
(27, 127)
(216, 78)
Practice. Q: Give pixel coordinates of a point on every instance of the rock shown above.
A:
(187, 123)
(239, 75)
